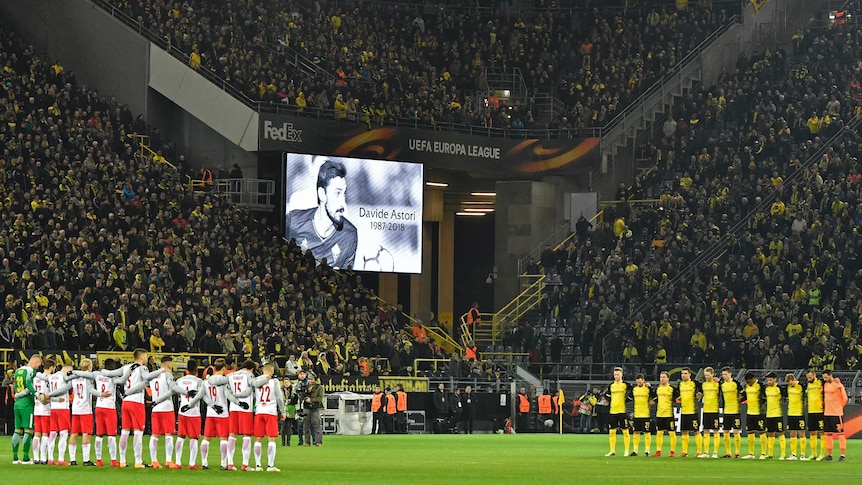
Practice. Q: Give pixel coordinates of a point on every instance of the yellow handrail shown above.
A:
(438, 334)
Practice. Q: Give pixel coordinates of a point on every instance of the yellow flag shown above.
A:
(561, 398)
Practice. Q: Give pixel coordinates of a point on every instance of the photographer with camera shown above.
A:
(299, 391)
(312, 405)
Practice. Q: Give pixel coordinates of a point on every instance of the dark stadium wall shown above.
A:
(474, 261)
(101, 51)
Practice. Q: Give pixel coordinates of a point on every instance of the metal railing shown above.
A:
(440, 335)
(254, 194)
(493, 325)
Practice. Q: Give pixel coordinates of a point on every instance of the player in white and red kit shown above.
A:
(41, 413)
(190, 414)
(136, 377)
(106, 409)
(268, 409)
(83, 390)
(218, 421)
(240, 394)
(163, 416)
(61, 422)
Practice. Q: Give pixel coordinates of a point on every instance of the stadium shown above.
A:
(511, 239)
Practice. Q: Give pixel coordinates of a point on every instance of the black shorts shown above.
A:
(665, 424)
(755, 423)
(815, 422)
(689, 422)
(774, 425)
(731, 421)
(618, 421)
(642, 425)
(796, 423)
(710, 421)
(833, 424)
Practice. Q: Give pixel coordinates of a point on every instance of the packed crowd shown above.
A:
(376, 61)
(785, 290)
(103, 250)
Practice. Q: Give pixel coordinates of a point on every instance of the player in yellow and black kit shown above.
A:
(665, 395)
(643, 396)
(618, 393)
(710, 388)
(775, 395)
(814, 395)
(795, 414)
(731, 422)
(755, 423)
(689, 393)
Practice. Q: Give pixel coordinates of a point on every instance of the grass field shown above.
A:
(498, 459)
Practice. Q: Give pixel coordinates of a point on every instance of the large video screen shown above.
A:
(353, 212)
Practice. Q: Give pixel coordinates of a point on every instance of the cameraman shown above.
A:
(299, 391)
(312, 404)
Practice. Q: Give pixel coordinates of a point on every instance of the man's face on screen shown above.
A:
(334, 200)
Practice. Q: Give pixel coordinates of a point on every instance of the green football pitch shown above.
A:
(414, 459)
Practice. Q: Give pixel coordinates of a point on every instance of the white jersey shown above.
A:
(135, 379)
(41, 387)
(190, 383)
(82, 400)
(215, 392)
(106, 384)
(161, 387)
(240, 382)
(266, 398)
(55, 382)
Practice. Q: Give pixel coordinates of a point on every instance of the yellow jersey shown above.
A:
(754, 395)
(642, 395)
(688, 396)
(814, 393)
(795, 400)
(774, 396)
(618, 392)
(710, 390)
(665, 396)
(730, 396)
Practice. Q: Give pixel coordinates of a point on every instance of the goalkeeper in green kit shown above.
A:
(22, 380)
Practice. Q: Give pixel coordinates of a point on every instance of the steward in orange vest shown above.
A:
(391, 409)
(378, 410)
(401, 418)
(471, 352)
(523, 410)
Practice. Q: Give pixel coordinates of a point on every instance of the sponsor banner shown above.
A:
(180, 360)
(61, 357)
(356, 212)
(411, 384)
(483, 155)
(366, 384)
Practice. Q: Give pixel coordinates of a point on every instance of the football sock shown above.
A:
(73, 450)
(698, 442)
(257, 451)
(626, 441)
(179, 447)
(647, 440)
(25, 442)
(85, 452)
(37, 450)
(193, 451)
(246, 449)
(830, 442)
(803, 443)
(813, 442)
(169, 448)
(763, 443)
(205, 452)
(48, 448)
(62, 442)
(706, 439)
(138, 446)
(685, 440)
(154, 448)
(270, 453)
(823, 446)
(659, 440)
(636, 441)
(231, 448)
(750, 443)
(112, 447)
(793, 445)
(672, 440)
(222, 447)
(727, 444)
(842, 443)
(612, 439)
(16, 442)
(98, 444)
(124, 444)
(737, 440)
(782, 442)
(770, 445)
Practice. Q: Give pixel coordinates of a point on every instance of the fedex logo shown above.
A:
(284, 133)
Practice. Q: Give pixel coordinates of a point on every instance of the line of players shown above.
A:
(239, 406)
(720, 400)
